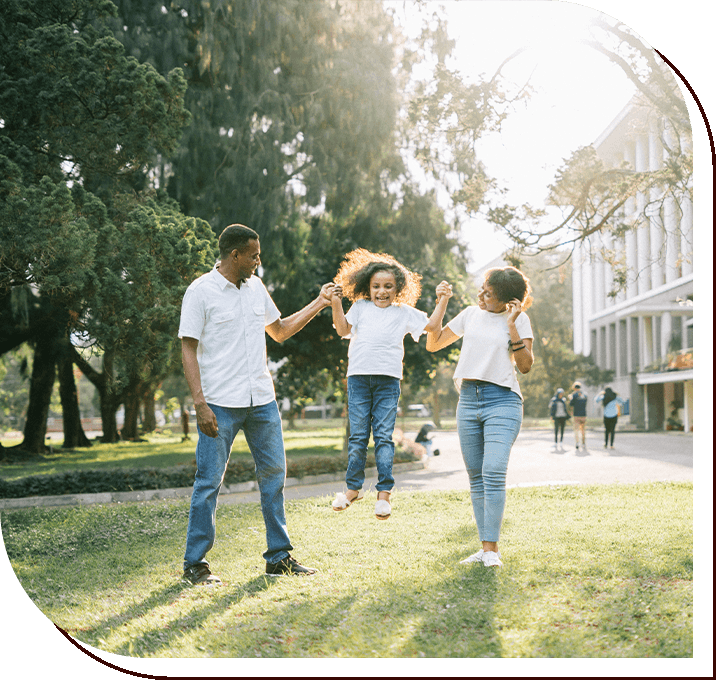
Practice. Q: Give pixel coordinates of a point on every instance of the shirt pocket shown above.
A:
(223, 324)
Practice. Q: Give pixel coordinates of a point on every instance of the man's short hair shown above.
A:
(577, 386)
(235, 236)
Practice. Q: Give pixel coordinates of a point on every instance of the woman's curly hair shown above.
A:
(509, 283)
(358, 267)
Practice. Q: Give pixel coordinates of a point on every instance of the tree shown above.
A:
(81, 121)
(591, 194)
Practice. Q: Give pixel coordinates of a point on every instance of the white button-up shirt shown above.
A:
(230, 323)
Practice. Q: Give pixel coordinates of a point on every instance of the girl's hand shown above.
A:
(337, 291)
(444, 289)
(514, 307)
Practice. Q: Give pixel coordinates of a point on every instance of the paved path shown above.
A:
(638, 457)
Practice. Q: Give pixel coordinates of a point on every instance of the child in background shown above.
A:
(383, 293)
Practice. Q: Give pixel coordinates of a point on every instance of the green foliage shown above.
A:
(106, 258)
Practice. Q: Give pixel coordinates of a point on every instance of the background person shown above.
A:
(497, 336)
(225, 316)
(578, 406)
(383, 293)
(611, 402)
(559, 414)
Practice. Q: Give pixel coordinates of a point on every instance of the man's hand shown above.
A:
(326, 293)
(206, 420)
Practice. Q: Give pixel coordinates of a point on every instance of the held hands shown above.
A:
(443, 290)
(327, 293)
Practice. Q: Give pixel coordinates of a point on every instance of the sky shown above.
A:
(577, 91)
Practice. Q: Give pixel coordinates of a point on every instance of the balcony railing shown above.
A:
(673, 361)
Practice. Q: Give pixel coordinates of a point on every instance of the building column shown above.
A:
(671, 223)
(656, 232)
(577, 300)
(643, 249)
(630, 236)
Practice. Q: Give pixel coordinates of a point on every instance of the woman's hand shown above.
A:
(514, 307)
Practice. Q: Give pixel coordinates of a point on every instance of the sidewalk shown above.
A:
(638, 457)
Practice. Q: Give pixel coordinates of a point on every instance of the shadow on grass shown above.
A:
(162, 636)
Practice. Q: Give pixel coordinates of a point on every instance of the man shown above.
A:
(578, 405)
(225, 314)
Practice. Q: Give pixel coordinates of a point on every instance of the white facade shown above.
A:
(644, 333)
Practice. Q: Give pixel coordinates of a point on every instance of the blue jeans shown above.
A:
(262, 429)
(489, 417)
(372, 404)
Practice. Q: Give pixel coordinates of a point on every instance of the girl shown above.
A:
(558, 412)
(497, 336)
(611, 403)
(383, 293)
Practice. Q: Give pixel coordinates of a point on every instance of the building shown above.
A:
(644, 333)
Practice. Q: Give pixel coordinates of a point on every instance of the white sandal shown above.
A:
(382, 507)
(341, 501)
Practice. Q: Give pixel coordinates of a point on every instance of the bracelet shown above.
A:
(517, 348)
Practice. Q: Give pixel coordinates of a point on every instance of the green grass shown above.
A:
(590, 571)
(162, 451)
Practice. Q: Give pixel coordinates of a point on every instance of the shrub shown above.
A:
(137, 479)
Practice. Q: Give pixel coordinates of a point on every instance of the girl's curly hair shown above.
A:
(358, 267)
(509, 283)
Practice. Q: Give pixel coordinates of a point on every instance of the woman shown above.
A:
(558, 412)
(611, 403)
(497, 337)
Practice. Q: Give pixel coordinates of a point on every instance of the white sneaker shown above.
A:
(477, 557)
(491, 559)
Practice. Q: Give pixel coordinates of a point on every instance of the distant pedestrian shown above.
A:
(497, 342)
(559, 414)
(424, 439)
(578, 405)
(611, 403)
(383, 293)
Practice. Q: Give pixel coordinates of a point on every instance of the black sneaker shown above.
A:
(200, 575)
(288, 566)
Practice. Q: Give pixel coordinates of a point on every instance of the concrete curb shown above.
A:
(162, 494)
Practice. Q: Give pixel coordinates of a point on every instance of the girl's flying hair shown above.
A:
(358, 267)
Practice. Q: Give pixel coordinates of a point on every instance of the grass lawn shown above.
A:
(160, 451)
(606, 584)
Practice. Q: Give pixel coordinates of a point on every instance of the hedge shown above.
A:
(138, 479)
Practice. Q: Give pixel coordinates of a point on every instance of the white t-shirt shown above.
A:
(230, 325)
(377, 333)
(485, 351)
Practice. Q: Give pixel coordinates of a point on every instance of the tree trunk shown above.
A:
(149, 408)
(41, 383)
(436, 407)
(71, 422)
(132, 403)
(108, 399)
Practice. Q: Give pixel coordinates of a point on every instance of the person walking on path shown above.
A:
(497, 337)
(578, 406)
(225, 315)
(383, 293)
(611, 403)
(559, 414)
